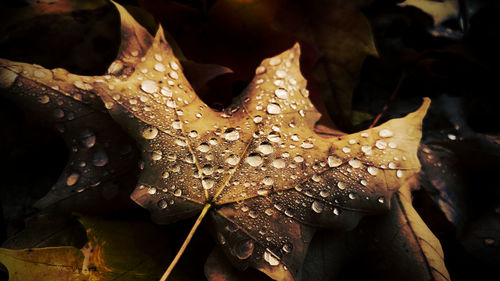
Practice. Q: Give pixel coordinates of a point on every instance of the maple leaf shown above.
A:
(266, 178)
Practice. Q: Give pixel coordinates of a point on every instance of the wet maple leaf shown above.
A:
(266, 178)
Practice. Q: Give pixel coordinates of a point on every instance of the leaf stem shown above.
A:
(391, 98)
(186, 242)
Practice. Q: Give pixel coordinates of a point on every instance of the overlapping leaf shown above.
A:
(106, 256)
(103, 159)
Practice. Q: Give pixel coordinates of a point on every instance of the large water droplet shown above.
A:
(231, 134)
(87, 139)
(355, 163)
(260, 70)
(44, 99)
(274, 137)
(149, 133)
(384, 133)
(149, 86)
(324, 193)
(265, 148)
(271, 259)
(207, 170)
(372, 170)
(244, 249)
(162, 204)
(288, 212)
(254, 159)
(207, 183)
(298, 159)
(399, 173)
(334, 161)
(341, 185)
(380, 144)
(281, 93)
(72, 179)
(257, 119)
(159, 67)
(279, 163)
(273, 108)
(203, 147)
(307, 145)
(317, 207)
(275, 61)
(233, 159)
(100, 159)
(173, 75)
(268, 180)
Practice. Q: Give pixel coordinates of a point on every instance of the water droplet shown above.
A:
(269, 212)
(207, 183)
(352, 196)
(152, 190)
(298, 159)
(351, 141)
(346, 149)
(287, 248)
(366, 149)
(279, 163)
(281, 93)
(257, 119)
(317, 207)
(381, 200)
(307, 145)
(159, 67)
(72, 179)
(273, 108)
(180, 142)
(44, 99)
(336, 211)
(271, 259)
(265, 148)
(392, 144)
(193, 134)
(207, 170)
(324, 193)
(372, 170)
(82, 85)
(213, 141)
(174, 65)
(399, 173)
(334, 161)
(149, 86)
(355, 163)
(233, 159)
(162, 204)
(165, 175)
(254, 159)
(275, 61)
(231, 134)
(156, 155)
(288, 212)
(274, 137)
(363, 182)
(341, 185)
(260, 70)
(244, 249)
(384, 133)
(380, 144)
(392, 165)
(100, 159)
(268, 180)
(149, 133)
(173, 75)
(87, 139)
(203, 147)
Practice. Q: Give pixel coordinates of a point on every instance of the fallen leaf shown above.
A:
(106, 256)
(343, 36)
(401, 243)
(441, 179)
(439, 10)
(102, 160)
(266, 178)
